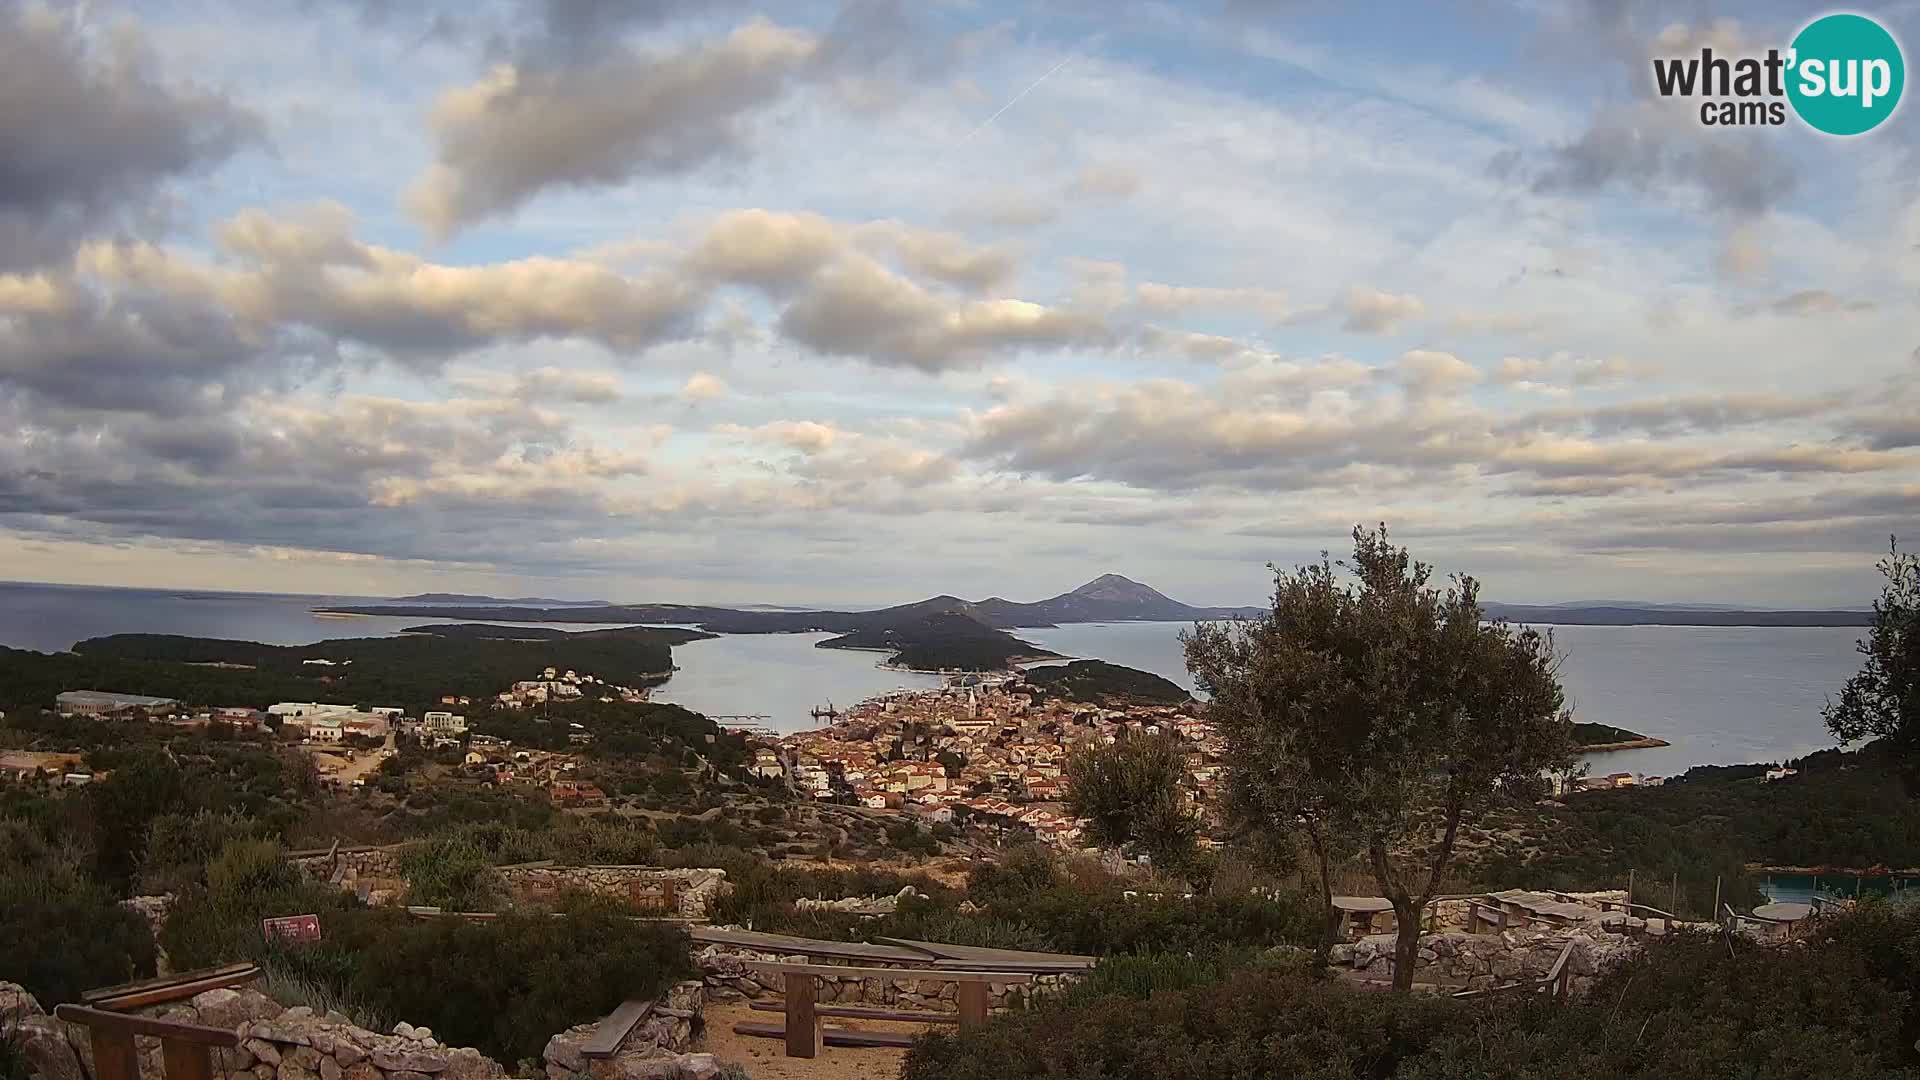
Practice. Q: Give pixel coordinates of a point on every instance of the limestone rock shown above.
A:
(362, 1071)
(290, 1071)
(304, 1057)
(467, 1063)
(274, 1032)
(263, 1071)
(15, 1002)
(698, 1067)
(330, 1069)
(347, 1053)
(563, 1050)
(220, 1008)
(268, 1053)
(403, 1029)
(42, 1041)
(392, 1061)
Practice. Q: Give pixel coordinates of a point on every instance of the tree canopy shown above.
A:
(1377, 709)
(1882, 699)
(1130, 795)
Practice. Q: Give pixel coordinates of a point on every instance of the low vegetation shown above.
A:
(1842, 1007)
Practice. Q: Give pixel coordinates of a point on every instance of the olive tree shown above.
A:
(1882, 699)
(1375, 712)
(1129, 793)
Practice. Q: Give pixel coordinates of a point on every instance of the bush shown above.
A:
(452, 873)
(60, 932)
(179, 846)
(1252, 1025)
(1839, 1006)
(507, 985)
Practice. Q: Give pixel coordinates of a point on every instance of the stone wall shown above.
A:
(374, 875)
(1454, 958)
(277, 1043)
(654, 1050)
(727, 977)
(694, 889)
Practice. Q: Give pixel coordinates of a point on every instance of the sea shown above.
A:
(1719, 695)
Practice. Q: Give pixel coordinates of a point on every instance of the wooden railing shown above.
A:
(184, 1048)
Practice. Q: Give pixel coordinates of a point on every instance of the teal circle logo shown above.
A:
(1846, 74)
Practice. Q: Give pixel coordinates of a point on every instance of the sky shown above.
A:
(859, 302)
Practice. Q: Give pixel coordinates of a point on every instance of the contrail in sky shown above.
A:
(1016, 100)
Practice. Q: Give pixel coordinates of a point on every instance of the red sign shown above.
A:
(292, 928)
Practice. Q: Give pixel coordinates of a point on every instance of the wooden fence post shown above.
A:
(803, 1024)
(972, 999)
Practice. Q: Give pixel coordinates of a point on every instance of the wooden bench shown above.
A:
(183, 1047)
(178, 986)
(866, 1012)
(804, 1033)
(606, 1038)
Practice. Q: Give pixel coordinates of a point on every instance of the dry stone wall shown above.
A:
(374, 875)
(694, 890)
(728, 978)
(277, 1043)
(1474, 961)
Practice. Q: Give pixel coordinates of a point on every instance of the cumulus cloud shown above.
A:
(1428, 372)
(863, 310)
(523, 128)
(91, 130)
(1172, 435)
(311, 271)
(1371, 311)
(701, 386)
(1561, 371)
(1162, 298)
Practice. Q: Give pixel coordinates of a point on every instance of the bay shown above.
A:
(1720, 695)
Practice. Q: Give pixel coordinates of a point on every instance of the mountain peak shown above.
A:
(1116, 587)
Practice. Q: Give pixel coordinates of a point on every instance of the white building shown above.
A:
(292, 709)
(443, 723)
(325, 729)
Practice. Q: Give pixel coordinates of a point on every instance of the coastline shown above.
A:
(1645, 742)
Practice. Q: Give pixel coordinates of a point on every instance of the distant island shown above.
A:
(1572, 615)
(1600, 738)
(942, 641)
(414, 670)
(1101, 683)
(1107, 598)
(923, 637)
(468, 599)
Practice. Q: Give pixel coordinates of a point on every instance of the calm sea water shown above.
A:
(1720, 695)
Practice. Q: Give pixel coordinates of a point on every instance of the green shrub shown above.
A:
(1690, 1006)
(179, 846)
(505, 986)
(60, 931)
(452, 873)
(1251, 1025)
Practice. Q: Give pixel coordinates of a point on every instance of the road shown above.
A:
(333, 764)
